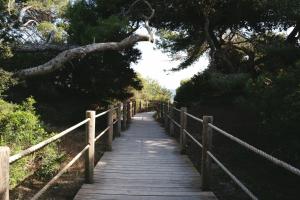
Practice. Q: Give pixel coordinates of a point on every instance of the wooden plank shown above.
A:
(142, 188)
(203, 196)
(139, 193)
(145, 164)
(4, 173)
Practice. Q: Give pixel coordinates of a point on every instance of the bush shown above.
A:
(276, 97)
(6, 81)
(273, 97)
(20, 128)
(208, 87)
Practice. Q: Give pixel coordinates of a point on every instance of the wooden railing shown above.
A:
(166, 112)
(124, 112)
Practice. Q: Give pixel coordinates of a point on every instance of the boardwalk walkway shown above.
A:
(145, 164)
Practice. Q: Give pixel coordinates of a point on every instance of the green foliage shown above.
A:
(98, 77)
(153, 91)
(5, 51)
(6, 81)
(273, 97)
(20, 128)
(99, 21)
(276, 98)
(237, 29)
(210, 87)
(47, 28)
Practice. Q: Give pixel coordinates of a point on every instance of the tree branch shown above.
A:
(79, 52)
(32, 48)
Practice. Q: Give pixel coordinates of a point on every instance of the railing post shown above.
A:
(4, 173)
(161, 110)
(183, 123)
(90, 140)
(147, 106)
(171, 124)
(134, 107)
(140, 110)
(119, 113)
(166, 116)
(206, 160)
(128, 111)
(111, 128)
(124, 122)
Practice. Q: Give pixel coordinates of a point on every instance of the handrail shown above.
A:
(193, 117)
(274, 160)
(89, 148)
(206, 145)
(40, 145)
(233, 177)
(194, 139)
(101, 134)
(178, 110)
(177, 124)
(101, 114)
(44, 189)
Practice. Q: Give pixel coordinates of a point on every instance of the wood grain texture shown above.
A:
(4, 173)
(90, 140)
(145, 164)
(206, 160)
(110, 124)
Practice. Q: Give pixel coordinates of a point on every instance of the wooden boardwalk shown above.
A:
(145, 164)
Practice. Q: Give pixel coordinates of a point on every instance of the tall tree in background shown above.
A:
(68, 41)
(237, 34)
(152, 91)
(47, 17)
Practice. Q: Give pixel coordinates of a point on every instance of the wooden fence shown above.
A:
(123, 112)
(166, 113)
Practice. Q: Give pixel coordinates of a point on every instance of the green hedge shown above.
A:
(20, 128)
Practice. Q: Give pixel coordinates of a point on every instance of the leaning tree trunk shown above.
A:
(79, 52)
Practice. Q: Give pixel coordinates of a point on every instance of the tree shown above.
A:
(78, 32)
(230, 31)
(45, 27)
(152, 91)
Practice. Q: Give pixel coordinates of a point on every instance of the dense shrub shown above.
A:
(20, 128)
(6, 81)
(273, 97)
(210, 87)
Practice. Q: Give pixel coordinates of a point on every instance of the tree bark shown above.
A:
(32, 48)
(79, 52)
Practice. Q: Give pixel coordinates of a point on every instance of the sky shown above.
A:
(154, 62)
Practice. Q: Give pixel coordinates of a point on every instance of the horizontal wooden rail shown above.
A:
(40, 145)
(194, 139)
(178, 110)
(88, 150)
(101, 114)
(166, 112)
(101, 134)
(193, 117)
(177, 124)
(233, 177)
(274, 160)
(44, 189)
